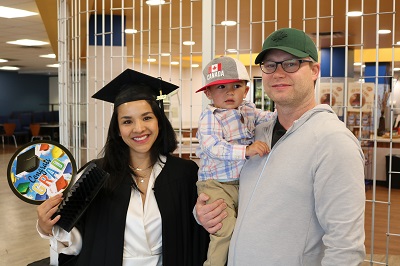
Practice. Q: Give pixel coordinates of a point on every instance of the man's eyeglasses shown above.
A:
(290, 65)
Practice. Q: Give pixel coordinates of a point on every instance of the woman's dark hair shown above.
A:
(115, 153)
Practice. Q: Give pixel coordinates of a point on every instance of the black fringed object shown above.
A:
(77, 199)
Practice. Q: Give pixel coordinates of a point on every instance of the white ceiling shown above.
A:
(25, 28)
(33, 28)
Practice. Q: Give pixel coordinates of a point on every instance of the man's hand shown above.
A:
(210, 215)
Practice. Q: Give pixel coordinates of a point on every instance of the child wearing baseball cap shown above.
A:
(226, 137)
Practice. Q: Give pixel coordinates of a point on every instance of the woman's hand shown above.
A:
(210, 215)
(45, 211)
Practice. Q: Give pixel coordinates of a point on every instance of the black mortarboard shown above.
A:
(131, 85)
(27, 161)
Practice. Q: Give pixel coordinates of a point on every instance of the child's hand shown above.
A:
(258, 147)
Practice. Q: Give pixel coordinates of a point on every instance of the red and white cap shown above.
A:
(222, 70)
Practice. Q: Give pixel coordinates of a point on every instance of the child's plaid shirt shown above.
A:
(223, 136)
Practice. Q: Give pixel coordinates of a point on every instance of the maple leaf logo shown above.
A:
(214, 68)
(279, 36)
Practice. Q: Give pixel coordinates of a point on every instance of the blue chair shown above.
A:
(3, 119)
(38, 117)
(25, 120)
(22, 133)
(48, 117)
(15, 114)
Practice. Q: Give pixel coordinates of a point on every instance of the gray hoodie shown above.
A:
(303, 204)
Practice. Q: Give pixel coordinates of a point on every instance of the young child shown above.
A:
(226, 137)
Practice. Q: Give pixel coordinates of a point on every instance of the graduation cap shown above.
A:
(27, 161)
(132, 85)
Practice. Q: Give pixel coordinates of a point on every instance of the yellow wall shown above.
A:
(384, 55)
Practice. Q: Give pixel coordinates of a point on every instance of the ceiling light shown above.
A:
(165, 54)
(9, 68)
(151, 60)
(231, 50)
(354, 14)
(396, 69)
(384, 31)
(155, 2)
(174, 63)
(53, 65)
(328, 34)
(188, 43)
(3, 60)
(8, 12)
(195, 65)
(48, 55)
(27, 42)
(130, 31)
(228, 23)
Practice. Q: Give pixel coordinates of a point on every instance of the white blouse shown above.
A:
(143, 232)
(143, 242)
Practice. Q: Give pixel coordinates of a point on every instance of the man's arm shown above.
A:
(340, 200)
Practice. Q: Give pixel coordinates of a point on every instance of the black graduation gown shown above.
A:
(184, 242)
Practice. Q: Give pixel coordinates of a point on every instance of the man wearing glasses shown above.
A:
(304, 203)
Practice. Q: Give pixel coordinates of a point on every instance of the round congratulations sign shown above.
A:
(39, 170)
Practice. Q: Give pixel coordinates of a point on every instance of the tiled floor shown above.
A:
(20, 244)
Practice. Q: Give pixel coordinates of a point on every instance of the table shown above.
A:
(53, 130)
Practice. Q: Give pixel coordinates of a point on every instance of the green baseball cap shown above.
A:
(290, 40)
